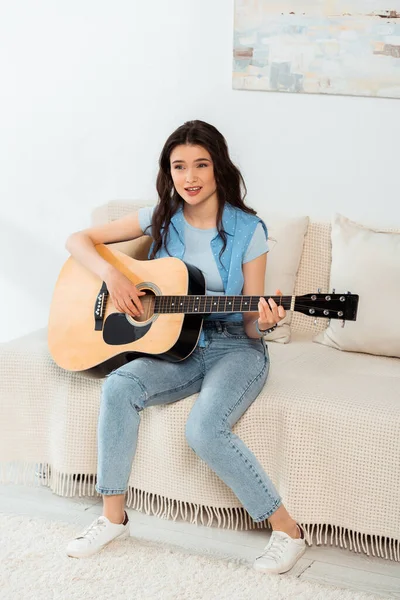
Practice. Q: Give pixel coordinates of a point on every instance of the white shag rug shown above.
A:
(34, 565)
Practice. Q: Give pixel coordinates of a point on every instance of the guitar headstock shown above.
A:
(328, 306)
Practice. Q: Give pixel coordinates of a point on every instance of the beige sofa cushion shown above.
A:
(313, 274)
(286, 240)
(112, 211)
(366, 262)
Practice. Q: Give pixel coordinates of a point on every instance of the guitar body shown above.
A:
(74, 342)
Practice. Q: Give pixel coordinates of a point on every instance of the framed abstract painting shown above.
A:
(349, 47)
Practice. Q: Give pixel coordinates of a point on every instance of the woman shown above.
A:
(200, 217)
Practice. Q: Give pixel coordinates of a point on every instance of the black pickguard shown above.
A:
(117, 330)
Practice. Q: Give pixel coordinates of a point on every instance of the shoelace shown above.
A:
(275, 547)
(93, 530)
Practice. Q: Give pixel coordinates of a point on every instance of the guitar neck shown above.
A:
(219, 304)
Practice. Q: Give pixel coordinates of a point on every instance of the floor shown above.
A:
(323, 564)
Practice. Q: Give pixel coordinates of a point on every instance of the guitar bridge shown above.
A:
(99, 307)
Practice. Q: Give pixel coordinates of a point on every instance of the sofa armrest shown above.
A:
(32, 348)
(39, 404)
(28, 341)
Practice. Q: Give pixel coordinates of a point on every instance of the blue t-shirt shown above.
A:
(198, 250)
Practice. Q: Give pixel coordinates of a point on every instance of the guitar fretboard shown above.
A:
(209, 304)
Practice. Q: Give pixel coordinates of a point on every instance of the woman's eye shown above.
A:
(180, 167)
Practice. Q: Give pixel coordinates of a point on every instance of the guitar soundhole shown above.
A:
(148, 305)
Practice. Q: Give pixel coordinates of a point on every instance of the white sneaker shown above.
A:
(281, 553)
(99, 533)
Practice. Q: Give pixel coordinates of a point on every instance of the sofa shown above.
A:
(326, 427)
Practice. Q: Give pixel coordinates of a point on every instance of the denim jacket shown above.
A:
(239, 227)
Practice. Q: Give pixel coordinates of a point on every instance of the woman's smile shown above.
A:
(193, 191)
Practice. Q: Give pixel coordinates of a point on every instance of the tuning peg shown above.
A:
(342, 323)
(333, 290)
(319, 291)
(315, 322)
(349, 292)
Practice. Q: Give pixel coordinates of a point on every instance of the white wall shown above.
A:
(91, 89)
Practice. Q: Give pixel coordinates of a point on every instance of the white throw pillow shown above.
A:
(286, 240)
(366, 262)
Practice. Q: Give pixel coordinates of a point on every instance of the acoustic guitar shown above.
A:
(86, 330)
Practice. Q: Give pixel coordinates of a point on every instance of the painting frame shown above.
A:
(340, 47)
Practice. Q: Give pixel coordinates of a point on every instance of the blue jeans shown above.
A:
(229, 372)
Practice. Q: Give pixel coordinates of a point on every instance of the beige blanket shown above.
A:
(325, 428)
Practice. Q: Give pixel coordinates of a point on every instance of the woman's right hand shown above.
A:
(124, 294)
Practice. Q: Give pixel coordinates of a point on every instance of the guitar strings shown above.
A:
(297, 306)
(287, 302)
(219, 309)
(232, 311)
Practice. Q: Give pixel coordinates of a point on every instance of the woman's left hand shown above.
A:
(270, 312)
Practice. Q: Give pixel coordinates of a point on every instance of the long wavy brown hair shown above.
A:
(231, 187)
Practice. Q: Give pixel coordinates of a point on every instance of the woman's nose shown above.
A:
(190, 176)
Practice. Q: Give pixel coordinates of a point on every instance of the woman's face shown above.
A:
(192, 172)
